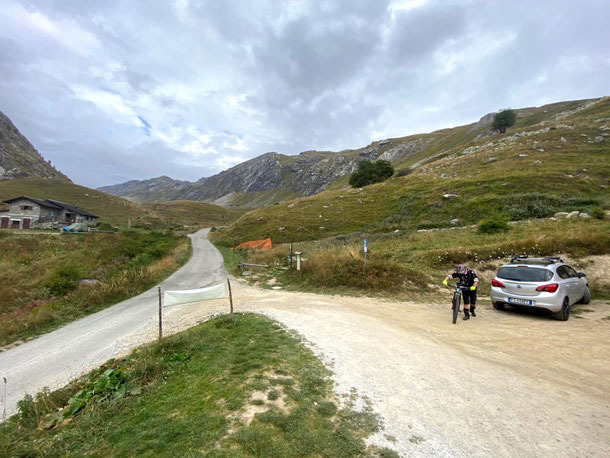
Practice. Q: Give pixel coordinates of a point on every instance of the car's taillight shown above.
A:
(497, 284)
(550, 288)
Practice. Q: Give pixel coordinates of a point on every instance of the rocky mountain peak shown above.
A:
(19, 158)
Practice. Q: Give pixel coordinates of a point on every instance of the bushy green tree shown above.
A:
(504, 119)
(371, 172)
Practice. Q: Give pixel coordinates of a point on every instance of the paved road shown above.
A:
(54, 359)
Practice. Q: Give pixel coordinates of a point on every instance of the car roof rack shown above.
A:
(527, 259)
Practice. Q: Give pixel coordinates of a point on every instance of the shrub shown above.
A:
(492, 225)
(371, 172)
(63, 279)
(598, 212)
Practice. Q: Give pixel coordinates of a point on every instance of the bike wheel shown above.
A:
(456, 307)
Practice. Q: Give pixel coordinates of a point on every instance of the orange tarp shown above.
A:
(256, 245)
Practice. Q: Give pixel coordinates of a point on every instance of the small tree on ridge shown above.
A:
(371, 172)
(504, 119)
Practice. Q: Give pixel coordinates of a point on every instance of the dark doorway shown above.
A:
(15, 224)
(26, 223)
(4, 222)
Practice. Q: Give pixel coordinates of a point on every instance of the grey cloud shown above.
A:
(281, 76)
(419, 32)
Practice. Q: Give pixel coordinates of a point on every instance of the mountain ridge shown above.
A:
(274, 177)
(19, 158)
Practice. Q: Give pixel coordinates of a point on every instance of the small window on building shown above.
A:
(27, 207)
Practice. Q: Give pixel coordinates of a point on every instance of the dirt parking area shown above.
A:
(501, 384)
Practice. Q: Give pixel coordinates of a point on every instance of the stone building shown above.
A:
(27, 212)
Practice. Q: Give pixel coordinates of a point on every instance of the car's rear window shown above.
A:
(524, 273)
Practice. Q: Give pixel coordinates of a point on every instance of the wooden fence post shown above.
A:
(4, 403)
(160, 316)
(230, 299)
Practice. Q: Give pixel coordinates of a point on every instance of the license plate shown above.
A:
(515, 300)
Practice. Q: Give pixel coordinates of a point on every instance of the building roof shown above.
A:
(55, 204)
(72, 208)
(44, 203)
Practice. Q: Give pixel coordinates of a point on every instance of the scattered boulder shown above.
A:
(87, 282)
(454, 222)
(561, 215)
(599, 139)
(522, 155)
(444, 175)
(281, 228)
(573, 214)
(584, 215)
(604, 127)
(291, 205)
(449, 196)
(491, 159)
(563, 139)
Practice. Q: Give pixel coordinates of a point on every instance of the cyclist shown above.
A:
(469, 278)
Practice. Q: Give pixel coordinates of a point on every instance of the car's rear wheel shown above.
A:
(587, 297)
(498, 305)
(564, 313)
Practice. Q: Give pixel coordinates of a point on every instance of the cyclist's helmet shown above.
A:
(461, 269)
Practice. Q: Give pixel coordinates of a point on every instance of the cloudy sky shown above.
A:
(116, 90)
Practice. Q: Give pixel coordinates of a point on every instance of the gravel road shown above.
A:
(501, 384)
(54, 359)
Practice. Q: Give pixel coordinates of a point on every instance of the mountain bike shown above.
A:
(457, 300)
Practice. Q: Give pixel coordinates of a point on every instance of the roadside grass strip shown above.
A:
(222, 389)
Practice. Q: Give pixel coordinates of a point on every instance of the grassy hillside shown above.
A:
(555, 159)
(411, 264)
(222, 389)
(111, 209)
(115, 210)
(193, 214)
(40, 274)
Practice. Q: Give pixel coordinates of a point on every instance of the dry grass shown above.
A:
(39, 275)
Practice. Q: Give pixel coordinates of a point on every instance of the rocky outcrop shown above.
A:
(278, 175)
(18, 158)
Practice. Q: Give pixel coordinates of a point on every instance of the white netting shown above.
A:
(194, 295)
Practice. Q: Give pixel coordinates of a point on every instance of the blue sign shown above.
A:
(365, 245)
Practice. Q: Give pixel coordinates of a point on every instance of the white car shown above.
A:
(544, 283)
